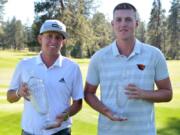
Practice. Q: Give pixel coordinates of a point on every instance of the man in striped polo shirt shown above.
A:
(127, 71)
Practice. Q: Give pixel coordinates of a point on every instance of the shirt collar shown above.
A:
(115, 50)
(57, 63)
(136, 50)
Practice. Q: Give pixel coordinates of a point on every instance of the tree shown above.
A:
(102, 31)
(154, 25)
(2, 35)
(75, 14)
(2, 2)
(163, 32)
(82, 31)
(14, 34)
(19, 35)
(141, 31)
(174, 30)
(9, 29)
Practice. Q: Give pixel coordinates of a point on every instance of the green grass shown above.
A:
(85, 122)
(10, 123)
(168, 121)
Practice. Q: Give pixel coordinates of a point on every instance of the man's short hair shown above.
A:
(124, 6)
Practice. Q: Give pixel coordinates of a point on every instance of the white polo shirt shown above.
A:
(111, 70)
(63, 82)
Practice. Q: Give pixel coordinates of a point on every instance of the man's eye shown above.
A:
(49, 36)
(118, 19)
(58, 38)
(128, 19)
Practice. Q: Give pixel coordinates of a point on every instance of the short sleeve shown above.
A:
(93, 71)
(77, 92)
(16, 78)
(161, 70)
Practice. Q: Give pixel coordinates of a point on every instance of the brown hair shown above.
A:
(123, 6)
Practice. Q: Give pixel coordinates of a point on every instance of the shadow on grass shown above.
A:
(172, 128)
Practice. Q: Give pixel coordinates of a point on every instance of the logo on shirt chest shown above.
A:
(141, 66)
(62, 80)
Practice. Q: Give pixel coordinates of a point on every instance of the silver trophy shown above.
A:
(38, 98)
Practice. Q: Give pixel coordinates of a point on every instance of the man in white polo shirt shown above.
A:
(62, 81)
(126, 71)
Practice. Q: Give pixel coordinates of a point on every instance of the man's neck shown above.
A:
(48, 60)
(125, 47)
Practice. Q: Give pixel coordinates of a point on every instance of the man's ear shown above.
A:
(112, 23)
(63, 43)
(39, 39)
(137, 23)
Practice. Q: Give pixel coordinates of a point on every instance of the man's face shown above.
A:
(124, 24)
(51, 43)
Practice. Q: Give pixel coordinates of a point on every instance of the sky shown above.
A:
(24, 9)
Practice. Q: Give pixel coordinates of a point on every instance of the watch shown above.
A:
(66, 115)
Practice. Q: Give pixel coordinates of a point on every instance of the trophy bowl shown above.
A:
(38, 98)
(121, 101)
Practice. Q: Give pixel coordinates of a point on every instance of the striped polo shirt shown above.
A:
(111, 70)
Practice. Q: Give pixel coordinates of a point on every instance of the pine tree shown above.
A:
(174, 30)
(141, 32)
(2, 2)
(102, 31)
(154, 25)
(14, 35)
(75, 15)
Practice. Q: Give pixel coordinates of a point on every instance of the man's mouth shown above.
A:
(53, 46)
(123, 30)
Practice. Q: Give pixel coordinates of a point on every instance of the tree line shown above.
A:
(90, 30)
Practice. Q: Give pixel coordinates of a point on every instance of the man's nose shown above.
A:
(54, 39)
(123, 22)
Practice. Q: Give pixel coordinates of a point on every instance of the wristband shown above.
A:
(17, 94)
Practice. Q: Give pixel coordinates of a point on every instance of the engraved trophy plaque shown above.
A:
(38, 98)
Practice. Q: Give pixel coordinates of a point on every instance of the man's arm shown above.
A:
(72, 110)
(95, 103)
(12, 96)
(162, 94)
(75, 107)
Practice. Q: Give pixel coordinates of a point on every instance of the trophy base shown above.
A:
(50, 125)
(120, 115)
